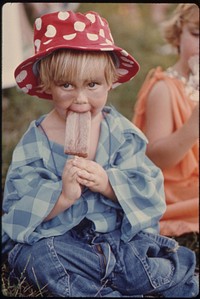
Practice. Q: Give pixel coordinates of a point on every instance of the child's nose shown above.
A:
(81, 98)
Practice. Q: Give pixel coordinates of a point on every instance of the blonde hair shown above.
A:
(183, 14)
(64, 65)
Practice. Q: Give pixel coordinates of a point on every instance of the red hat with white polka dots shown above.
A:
(70, 30)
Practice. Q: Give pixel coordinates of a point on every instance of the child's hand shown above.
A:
(90, 174)
(71, 188)
(93, 176)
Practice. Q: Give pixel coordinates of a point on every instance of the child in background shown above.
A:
(87, 227)
(167, 111)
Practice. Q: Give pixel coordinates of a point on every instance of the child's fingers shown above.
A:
(89, 166)
(83, 174)
(70, 171)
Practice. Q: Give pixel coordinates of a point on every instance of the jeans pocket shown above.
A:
(159, 270)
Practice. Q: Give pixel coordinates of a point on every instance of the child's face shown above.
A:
(189, 41)
(81, 95)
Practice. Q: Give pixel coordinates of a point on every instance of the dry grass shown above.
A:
(19, 287)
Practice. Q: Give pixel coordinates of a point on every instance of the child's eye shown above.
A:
(195, 34)
(92, 84)
(67, 85)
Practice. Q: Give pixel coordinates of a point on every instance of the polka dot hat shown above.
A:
(70, 30)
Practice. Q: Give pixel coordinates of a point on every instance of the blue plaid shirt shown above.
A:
(34, 183)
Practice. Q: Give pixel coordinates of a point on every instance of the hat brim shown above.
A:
(27, 78)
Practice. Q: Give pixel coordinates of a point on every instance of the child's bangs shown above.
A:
(78, 67)
(68, 65)
(81, 65)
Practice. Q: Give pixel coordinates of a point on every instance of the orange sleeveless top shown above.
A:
(182, 180)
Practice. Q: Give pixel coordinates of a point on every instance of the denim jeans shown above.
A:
(83, 263)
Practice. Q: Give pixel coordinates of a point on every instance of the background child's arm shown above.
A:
(166, 148)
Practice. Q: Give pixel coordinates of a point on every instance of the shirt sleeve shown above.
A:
(138, 185)
(32, 188)
(30, 194)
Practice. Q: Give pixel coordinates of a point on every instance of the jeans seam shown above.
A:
(59, 266)
(101, 259)
(13, 254)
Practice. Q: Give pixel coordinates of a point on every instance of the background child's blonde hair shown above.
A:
(64, 65)
(172, 28)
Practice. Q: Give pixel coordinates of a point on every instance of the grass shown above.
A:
(19, 287)
(141, 38)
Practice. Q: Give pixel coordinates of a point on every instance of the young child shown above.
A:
(167, 111)
(87, 227)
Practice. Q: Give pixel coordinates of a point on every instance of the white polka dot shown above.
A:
(37, 44)
(124, 53)
(102, 23)
(51, 31)
(122, 71)
(50, 48)
(47, 42)
(79, 26)
(108, 42)
(27, 88)
(91, 17)
(69, 36)
(63, 15)
(102, 33)
(21, 76)
(38, 23)
(127, 65)
(92, 37)
(126, 59)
